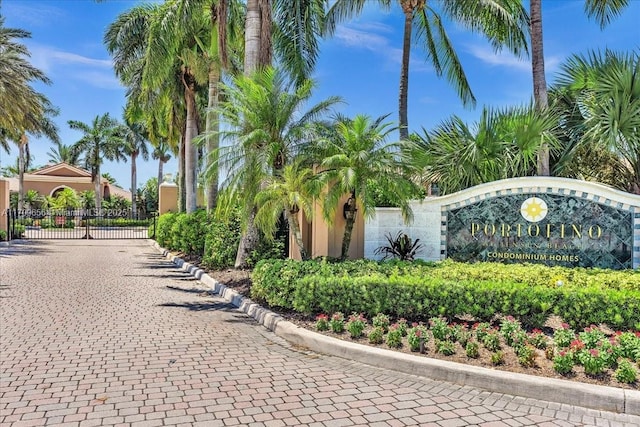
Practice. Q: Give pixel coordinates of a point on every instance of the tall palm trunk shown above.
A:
(292, 219)
(257, 36)
(191, 150)
(181, 173)
(539, 80)
(134, 185)
(213, 137)
(348, 228)
(22, 161)
(97, 188)
(408, 8)
(160, 173)
(346, 240)
(252, 36)
(257, 54)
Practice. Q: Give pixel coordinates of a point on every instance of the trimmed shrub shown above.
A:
(420, 291)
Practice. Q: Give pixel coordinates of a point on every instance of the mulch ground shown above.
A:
(240, 281)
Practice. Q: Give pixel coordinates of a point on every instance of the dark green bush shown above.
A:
(422, 291)
(221, 244)
(163, 229)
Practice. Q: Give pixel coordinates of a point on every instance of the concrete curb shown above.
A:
(590, 396)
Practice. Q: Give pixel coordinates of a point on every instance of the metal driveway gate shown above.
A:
(80, 224)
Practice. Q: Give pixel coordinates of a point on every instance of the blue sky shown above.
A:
(361, 63)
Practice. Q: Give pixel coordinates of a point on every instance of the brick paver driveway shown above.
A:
(109, 333)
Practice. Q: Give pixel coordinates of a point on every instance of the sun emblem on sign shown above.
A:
(533, 209)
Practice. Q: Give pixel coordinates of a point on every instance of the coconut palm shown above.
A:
(289, 191)
(603, 11)
(100, 140)
(35, 123)
(135, 145)
(598, 95)
(503, 144)
(62, 153)
(355, 155)
(20, 102)
(25, 112)
(160, 105)
(265, 124)
(162, 155)
(502, 22)
(287, 30)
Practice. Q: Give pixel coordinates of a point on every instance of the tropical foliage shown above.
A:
(603, 11)
(502, 22)
(503, 144)
(598, 97)
(100, 140)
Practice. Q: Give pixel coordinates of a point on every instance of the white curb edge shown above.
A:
(604, 398)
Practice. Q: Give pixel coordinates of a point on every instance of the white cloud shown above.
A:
(371, 36)
(364, 36)
(505, 59)
(40, 15)
(99, 79)
(54, 62)
(500, 59)
(46, 58)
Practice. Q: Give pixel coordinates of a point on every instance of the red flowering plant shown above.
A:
(592, 361)
(563, 362)
(356, 325)
(322, 322)
(591, 336)
(563, 336)
(416, 335)
(538, 339)
(336, 324)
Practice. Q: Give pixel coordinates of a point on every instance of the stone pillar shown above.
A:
(4, 205)
(168, 198)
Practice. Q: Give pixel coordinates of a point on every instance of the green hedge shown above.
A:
(214, 240)
(421, 291)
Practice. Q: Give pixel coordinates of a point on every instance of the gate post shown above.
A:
(86, 224)
(5, 205)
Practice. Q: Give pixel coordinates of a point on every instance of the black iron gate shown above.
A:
(80, 224)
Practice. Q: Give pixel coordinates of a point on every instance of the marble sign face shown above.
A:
(551, 229)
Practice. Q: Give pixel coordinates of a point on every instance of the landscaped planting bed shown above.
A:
(593, 355)
(482, 292)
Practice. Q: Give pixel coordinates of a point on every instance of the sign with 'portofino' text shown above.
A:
(553, 229)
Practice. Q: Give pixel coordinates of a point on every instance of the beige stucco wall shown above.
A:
(167, 198)
(323, 240)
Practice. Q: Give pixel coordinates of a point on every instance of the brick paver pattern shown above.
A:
(96, 333)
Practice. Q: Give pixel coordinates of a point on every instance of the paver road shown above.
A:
(109, 333)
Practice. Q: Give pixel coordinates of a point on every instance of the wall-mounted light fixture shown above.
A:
(349, 209)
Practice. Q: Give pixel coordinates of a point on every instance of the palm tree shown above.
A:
(25, 111)
(162, 155)
(18, 99)
(503, 144)
(265, 124)
(603, 11)
(290, 191)
(160, 105)
(62, 153)
(598, 96)
(135, 144)
(354, 156)
(288, 30)
(100, 140)
(502, 22)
